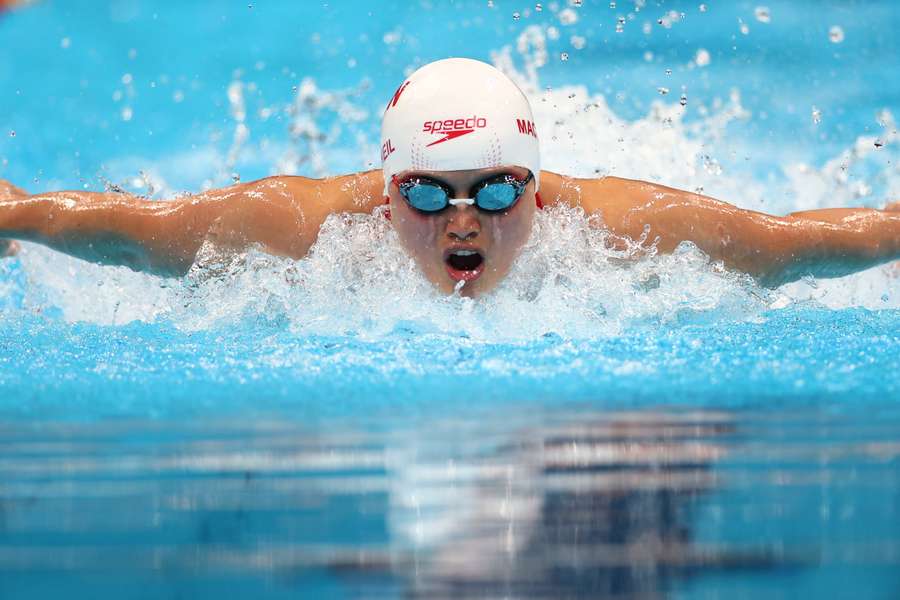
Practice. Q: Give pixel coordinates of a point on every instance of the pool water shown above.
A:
(332, 427)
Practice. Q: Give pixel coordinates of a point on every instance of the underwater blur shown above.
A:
(607, 423)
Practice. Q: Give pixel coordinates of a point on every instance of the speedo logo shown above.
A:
(453, 128)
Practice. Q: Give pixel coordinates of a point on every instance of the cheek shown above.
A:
(510, 232)
(416, 232)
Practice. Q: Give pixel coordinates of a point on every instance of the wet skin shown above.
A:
(282, 215)
(498, 237)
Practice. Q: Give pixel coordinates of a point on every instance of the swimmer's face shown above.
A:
(443, 243)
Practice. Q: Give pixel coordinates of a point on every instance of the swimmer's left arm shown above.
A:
(775, 250)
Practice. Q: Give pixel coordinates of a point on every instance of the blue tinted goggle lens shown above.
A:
(495, 194)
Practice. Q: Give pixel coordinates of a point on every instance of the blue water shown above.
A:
(661, 430)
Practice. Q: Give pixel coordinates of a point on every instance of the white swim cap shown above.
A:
(456, 114)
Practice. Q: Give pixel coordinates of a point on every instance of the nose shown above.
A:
(463, 223)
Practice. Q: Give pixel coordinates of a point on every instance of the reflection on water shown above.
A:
(563, 504)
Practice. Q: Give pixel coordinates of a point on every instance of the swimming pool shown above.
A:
(589, 430)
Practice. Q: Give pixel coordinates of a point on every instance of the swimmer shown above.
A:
(462, 180)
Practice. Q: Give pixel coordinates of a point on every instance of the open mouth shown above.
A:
(464, 265)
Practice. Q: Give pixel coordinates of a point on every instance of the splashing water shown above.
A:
(569, 280)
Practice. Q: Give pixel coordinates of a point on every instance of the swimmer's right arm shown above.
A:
(281, 214)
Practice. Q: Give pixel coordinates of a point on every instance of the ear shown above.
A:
(538, 201)
(387, 212)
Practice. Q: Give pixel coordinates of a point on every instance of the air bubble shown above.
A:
(563, 56)
(127, 113)
(620, 24)
(612, 4)
(516, 16)
(762, 14)
(879, 143)
(668, 71)
(836, 34)
(816, 116)
(683, 100)
(745, 30)
(577, 42)
(538, 7)
(12, 133)
(236, 177)
(575, 3)
(662, 91)
(702, 8)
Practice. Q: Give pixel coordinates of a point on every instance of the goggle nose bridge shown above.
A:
(458, 201)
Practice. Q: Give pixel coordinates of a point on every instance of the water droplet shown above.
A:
(575, 3)
(683, 100)
(577, 42)
(698, 189)
(648, 56)
(662, 91)
(612, 4)
(620, 24)
(816, 116)
(236, 177)
(885, 297)
(249, 6)
(745, 30)
(490, 3)
(879, 143)
(178, 96)
(538, 7)
(567, 16)
(702, 8)
(127, 113)
(127, 79)
(836, 34)
(762, 14)
(668, 71)
(516, 16)
(65, 43)
(702, 59)
(711, 165)
(563, 56)
(12, 133)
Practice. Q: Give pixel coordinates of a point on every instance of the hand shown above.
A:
(8, 248)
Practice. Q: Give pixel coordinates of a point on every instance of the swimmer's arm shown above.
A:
(282, 214)
(774, 250)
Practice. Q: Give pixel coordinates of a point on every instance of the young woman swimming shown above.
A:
(461, 174)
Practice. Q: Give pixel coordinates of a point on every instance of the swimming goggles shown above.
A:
(494, 194)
